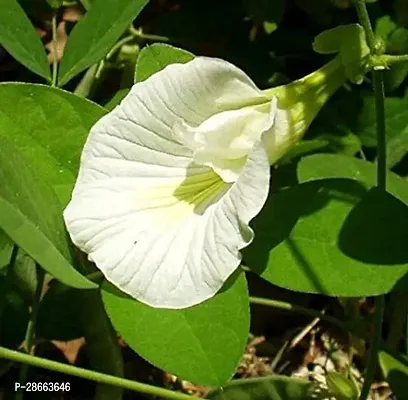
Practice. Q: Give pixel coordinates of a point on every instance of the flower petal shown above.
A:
(169, 243)
(159, 226)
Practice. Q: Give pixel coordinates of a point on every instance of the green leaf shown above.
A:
(395, 370)
(154, 58)
(396, 119)
(332, 40)
(350, 42)
(341, 387)
(96, 33)
(31, 215)
(384, 26)
(272, 387)
(6, 247)
(297, 243)
(376, 230)
(19, 38)
(49, 127)
(397, 148)
(202, 344)
(326, 166)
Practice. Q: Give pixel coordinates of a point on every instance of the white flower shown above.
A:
(171, 178)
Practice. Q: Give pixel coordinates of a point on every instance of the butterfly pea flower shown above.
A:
(171, 178)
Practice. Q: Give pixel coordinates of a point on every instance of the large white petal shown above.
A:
(162, 228)
(171, 249)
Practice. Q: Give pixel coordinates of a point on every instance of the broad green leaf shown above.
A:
(49, 127)
(19, 38)
(154, 58)
(325, 166)
(96, 33)
(6, 247)
(396, 119)
(395, 370)
(202, 344)
(298, 242)
(274, 387)
(31, 215)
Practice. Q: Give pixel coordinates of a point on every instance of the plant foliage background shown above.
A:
(298, 317)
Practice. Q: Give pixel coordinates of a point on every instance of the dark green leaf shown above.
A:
(154, 58)
(96, 33)
(202, 344)
(266, 388)
(297, 245)
(395, 370)
(31, 215)
(396, 119)
(19, 38)
(376, 230)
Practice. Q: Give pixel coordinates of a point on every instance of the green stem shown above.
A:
(92, 375)
(300, 310)
(146, 36)
(55, 50)
(363, 17)
(399, 309)
(118, 45)
(30, 332)
(390, 59)
(378, 85)
(374, 347)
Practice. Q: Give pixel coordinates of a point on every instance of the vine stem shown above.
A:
(378, 86)
(92, 375)
(55, 50)
(30, 332)
(364, 18)
(299, 309)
